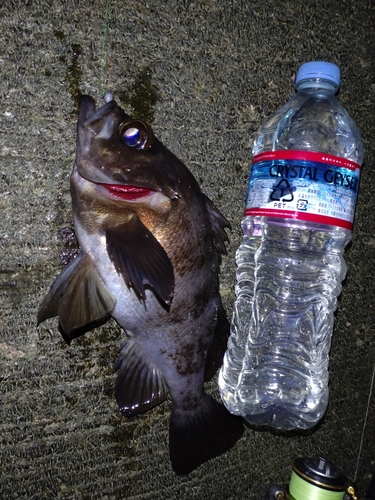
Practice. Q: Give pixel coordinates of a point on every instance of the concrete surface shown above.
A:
(207, 73)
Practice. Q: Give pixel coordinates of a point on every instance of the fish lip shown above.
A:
(125, 192)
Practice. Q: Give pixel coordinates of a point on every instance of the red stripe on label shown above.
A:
(306, 156)
(290, 214)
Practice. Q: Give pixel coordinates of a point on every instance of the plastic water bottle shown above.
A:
(298, 219)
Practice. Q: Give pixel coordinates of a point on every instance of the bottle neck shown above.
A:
(317, 84)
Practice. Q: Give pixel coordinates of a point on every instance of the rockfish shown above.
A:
(151, 245)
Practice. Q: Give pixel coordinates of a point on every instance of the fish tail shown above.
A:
(201, 434)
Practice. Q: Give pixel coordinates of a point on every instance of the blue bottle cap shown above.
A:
(319, 69)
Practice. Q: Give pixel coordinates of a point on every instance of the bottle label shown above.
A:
(315, 187)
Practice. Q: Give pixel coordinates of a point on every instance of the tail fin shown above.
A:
(202, 434)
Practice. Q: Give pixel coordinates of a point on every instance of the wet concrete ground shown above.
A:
(206, 74)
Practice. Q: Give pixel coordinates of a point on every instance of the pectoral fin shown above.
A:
(141, 260)
(78, 297)
(139, 385)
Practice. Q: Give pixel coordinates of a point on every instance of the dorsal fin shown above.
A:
(219, 344)
(218, 225)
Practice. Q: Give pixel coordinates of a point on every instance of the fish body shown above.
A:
(151, 245)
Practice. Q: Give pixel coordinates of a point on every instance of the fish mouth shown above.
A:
(127, 192)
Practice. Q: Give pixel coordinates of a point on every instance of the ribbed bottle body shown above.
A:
(242, 312)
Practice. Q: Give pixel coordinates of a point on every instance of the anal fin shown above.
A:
(139, 385)
(78, 297)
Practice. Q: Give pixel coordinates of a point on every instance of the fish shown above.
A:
(151, 244)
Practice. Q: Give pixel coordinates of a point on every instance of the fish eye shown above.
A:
(136, 134)
(131, 136)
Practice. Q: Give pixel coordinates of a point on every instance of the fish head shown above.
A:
(136, 202)
(123, 154)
